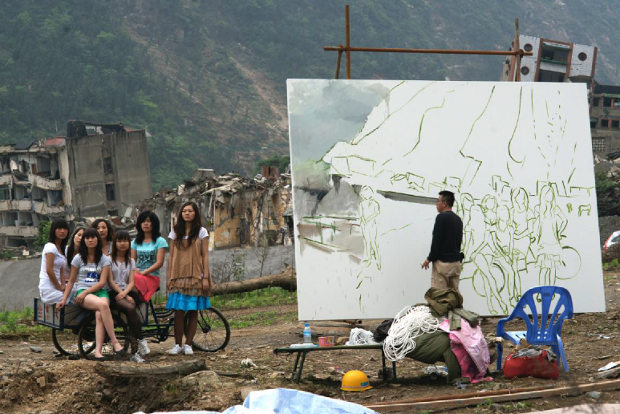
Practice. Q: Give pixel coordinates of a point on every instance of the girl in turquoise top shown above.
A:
(148, 249)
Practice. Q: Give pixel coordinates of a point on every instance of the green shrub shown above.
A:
(44, 234)
(614, 264)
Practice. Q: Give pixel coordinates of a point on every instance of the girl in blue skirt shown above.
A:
(189, 279)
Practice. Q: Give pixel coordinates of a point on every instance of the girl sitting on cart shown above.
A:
(121, 291)
(90, 270)
(51, 277)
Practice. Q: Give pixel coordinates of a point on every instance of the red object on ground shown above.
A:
(536, 366)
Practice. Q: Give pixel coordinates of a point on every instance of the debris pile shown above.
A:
(237, 211)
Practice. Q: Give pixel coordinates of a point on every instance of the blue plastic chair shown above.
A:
(544, 328)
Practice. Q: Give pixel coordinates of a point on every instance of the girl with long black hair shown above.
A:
(90, 270)
(189, 279)
(52, 278)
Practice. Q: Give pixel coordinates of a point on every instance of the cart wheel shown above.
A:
(86, 338)
(213, 331)
(65, 341)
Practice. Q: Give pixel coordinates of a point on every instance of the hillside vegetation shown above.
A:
(207, 79)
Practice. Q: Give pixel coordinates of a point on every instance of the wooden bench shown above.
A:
(302, 351)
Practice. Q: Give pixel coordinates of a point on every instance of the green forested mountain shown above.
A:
(206, 78)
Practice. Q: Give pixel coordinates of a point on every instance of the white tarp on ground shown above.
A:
(287, 401)
(370, 156)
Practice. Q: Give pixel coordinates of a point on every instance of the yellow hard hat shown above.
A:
(355, 381)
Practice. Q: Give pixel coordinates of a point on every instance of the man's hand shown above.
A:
(425, 264)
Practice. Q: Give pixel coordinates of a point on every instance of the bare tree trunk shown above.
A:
(286, 280)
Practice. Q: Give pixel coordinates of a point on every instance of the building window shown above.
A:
(595, 102)
(107, 165)
(604, 123)
(607, 102)
(593, 122)
(582, 56)
(525, 70)
(598, 145)
(555, 53)
(109, 192)
(549, 76)
(614, 124)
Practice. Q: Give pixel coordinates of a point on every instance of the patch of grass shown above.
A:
(158, 298)
(485, 404)
(612, 265)
(270, 296)
(19, 322)
(261, 319)
(489, 406)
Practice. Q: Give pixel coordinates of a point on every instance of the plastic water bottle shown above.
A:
(307, 334)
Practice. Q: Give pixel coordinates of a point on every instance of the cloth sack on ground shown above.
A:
(146, 285)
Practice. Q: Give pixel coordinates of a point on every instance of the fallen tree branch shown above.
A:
(456, 401)
(285, 280)
(147, 370)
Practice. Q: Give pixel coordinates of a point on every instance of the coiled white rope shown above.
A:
(408, 324)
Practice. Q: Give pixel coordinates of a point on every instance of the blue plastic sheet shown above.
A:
(286, 401)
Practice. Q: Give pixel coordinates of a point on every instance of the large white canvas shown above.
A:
(369, 158)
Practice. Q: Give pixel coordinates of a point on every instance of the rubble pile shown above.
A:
(237, 211)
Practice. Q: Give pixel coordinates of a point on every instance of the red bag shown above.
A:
(538, 366)
(146, 285)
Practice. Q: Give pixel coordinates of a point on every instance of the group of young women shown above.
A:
(95, 268)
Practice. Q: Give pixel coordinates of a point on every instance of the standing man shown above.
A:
(445, 252)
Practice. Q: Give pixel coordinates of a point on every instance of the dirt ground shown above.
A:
(41, 382)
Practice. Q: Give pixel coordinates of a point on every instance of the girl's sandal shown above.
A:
(122, 351)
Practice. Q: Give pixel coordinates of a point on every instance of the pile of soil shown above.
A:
(44, 383)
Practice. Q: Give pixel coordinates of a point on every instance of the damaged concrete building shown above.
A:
(109, 167)
(237, 211)
(32, 188)
(605, 120)
(96, 170)
(552, 61)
